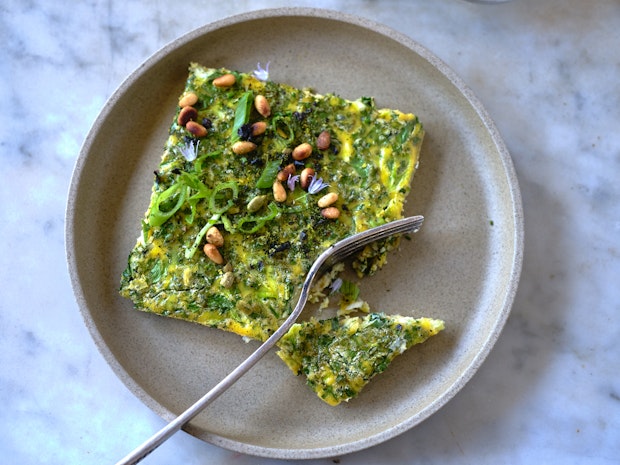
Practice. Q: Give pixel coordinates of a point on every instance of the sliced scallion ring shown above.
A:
(250, 224)
(217, 194)
(158, 216)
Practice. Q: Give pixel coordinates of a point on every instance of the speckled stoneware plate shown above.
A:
(462, 267)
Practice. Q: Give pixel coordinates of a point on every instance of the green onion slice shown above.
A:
(193, 181)
(282, 128)
(216, 211)
(158, 214)
(250, 224)
(189, 253)
(349, 290)
(202, 158)
(218, 194)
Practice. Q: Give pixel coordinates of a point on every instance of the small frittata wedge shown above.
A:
(256, 180)
(340, 355)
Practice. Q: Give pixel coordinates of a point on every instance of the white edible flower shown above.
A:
(260, 73)
(190, 149)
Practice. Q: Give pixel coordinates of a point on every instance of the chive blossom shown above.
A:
(190, 149)
(260, 73)
(290, 182)
(317, 185)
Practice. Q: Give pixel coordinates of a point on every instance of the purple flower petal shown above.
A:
(290, 182)
(336, 284)
(317, 185)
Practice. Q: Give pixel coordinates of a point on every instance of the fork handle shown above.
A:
(175, 425)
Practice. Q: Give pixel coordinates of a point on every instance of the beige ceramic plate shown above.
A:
(463, 266)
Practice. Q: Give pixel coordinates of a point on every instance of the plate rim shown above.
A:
(464, 90)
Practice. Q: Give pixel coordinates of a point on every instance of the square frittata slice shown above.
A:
(257, 178)
(339, 356)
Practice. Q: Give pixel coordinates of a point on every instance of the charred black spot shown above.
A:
(301, 115)
(279, 248)
(257, 161)
(320, 221)
(245, 132)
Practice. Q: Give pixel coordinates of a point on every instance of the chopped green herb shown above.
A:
(242, 115)
(268, 175)
(349, 290)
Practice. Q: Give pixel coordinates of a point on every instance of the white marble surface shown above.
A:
(548, 73)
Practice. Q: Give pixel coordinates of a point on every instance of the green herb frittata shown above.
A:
(339, 356)
(256, 180)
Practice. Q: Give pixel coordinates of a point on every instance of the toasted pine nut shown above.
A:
(327, 200)
(225, 80)
(331, 213)
(187, 114)
(279, 193)
(214, 236)
(302, 151)
(324, 140)
(242, 147)
(288, 170)
(188, 100)
(259, 128)
(305, 177)
(196, 129)
(262, 105)
(213, 253)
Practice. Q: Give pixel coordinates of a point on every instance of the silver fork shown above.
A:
(334, 254)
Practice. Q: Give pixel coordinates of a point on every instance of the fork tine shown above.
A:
(356, 242)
